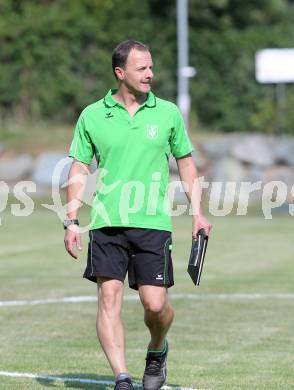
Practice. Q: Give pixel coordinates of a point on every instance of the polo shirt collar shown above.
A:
(151, 100)
(109, 101)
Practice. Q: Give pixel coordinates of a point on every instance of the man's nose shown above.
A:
(149, 74)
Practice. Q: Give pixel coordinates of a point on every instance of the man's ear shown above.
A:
(119, 72)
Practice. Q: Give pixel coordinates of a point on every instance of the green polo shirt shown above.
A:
(133, 153)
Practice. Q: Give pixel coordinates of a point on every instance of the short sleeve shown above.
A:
(180, 144)
(82, 148)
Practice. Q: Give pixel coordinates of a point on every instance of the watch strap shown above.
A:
(68, 222)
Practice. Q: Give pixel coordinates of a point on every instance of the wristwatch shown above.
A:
(68, 222)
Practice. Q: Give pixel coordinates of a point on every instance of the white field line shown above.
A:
(55, 378)
(199, 297)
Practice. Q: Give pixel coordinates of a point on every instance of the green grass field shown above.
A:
(217, 342)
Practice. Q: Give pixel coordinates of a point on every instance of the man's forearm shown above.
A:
(189, 177)
(76, 185)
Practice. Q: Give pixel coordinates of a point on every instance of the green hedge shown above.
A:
(225, 93)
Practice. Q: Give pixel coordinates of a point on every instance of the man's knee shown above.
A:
(110, 296)
(154, 305)
(153, 298)
(108, 301)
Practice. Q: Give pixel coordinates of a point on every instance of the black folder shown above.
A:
(196, 260)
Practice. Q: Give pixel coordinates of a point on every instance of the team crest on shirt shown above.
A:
(152, 131)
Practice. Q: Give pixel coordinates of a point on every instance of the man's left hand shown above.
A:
(200, 222)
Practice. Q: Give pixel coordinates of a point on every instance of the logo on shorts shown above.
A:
(152, 131)
(159, 277)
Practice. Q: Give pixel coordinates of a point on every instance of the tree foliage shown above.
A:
(55, 55)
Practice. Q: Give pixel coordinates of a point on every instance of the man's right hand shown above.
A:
(72, 237)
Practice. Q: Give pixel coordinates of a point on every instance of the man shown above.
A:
(131, 132)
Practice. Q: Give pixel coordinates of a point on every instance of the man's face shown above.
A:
(137, 74)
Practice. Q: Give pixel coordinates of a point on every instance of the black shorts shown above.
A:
(144, 253)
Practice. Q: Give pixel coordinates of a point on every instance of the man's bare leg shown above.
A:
(158, 313)
(158, 318)
(110, 330)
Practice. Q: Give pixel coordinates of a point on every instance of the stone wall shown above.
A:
(245, 158)
(235, 158)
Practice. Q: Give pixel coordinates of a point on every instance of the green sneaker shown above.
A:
(155, 370)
